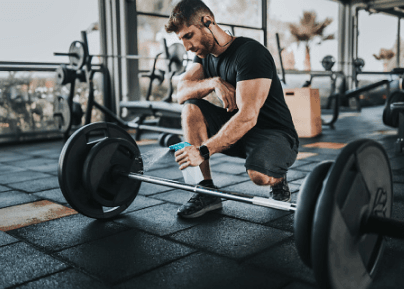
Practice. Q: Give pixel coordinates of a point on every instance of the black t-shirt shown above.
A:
(247, 59)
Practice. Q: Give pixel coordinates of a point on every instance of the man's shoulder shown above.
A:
(249, 46)
(248, 42)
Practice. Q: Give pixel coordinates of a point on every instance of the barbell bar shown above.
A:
(341, 217)
(105, 55)
(78, 55)
(265, 202)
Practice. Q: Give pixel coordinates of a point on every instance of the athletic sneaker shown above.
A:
(281, 191)
(199, 204)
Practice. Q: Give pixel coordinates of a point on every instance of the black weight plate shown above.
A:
(390, 118)
(61, 113)
(171, 139)
(71, 163)
(78, 56)
(100, 175)
(77, 113)
(176, 54)
(358, 184)
(65, 75)
(306, 204)
(161, 138)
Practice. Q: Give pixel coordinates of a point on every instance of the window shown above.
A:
(33, 30)
(377, 32)
(294, 54)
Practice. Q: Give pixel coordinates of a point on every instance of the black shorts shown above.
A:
(267, 151)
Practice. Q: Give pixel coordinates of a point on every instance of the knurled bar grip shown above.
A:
(227, 195)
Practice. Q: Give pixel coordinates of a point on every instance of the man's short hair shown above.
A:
(187, 12)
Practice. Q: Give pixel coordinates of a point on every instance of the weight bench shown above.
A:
(155, 108)
(398, 107)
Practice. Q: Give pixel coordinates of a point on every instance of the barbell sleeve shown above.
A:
(383, 226)
(65, 54)
(217, 193)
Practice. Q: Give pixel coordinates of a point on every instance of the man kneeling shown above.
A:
(254, 123)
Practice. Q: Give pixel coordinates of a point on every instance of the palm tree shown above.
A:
(308, 30)
(385, 55)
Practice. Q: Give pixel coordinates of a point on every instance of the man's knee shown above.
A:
(262, 179)
(191, 113)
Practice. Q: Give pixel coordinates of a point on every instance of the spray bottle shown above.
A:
(192, 175)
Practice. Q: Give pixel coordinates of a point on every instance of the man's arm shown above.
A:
(194, 85)
(250, 97)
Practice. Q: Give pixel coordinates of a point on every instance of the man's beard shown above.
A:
(207, 45)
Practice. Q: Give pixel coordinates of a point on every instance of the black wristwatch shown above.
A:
(203, 150)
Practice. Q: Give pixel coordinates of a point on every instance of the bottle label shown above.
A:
(192, 175)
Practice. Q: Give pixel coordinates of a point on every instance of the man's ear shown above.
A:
(207, 23)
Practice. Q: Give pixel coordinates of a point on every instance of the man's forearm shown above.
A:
(189, 89)
(230, 133)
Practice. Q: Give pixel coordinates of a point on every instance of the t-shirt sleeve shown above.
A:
(197, 60)
(254, 61)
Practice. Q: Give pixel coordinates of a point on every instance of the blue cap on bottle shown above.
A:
(179, 146)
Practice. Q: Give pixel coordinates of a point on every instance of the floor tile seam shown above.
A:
(153, 194)
(50, 173)
(250, 221)
(306, 164)
(65, 204)
(10, 189)
(165, 202)
(276, 244)
(164, 236)
(70, 266)
(40, 249)
(29, 180)
(277, 219)
(55, 254)
(39, 191)
(20, 204)
(38, 278)
(169, 236)
(236, 183)
(130, 277)
(279, 243)
(284, 230)
(296, 179)
(14, 242)
(238, 260)
(144, 208)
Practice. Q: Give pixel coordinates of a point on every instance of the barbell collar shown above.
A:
(383, 226)
(217, 193)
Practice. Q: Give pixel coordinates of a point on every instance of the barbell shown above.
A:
(341, 216)
(78, 56)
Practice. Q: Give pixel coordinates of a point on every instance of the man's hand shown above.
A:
(226, 92)
(188, 156)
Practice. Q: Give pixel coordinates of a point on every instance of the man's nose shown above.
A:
(187, 45)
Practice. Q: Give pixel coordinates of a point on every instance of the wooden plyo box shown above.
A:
(304, 105)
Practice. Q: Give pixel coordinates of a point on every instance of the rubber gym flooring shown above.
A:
(46, 244)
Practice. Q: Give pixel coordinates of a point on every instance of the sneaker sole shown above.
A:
(284, 200)
(202, 212)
